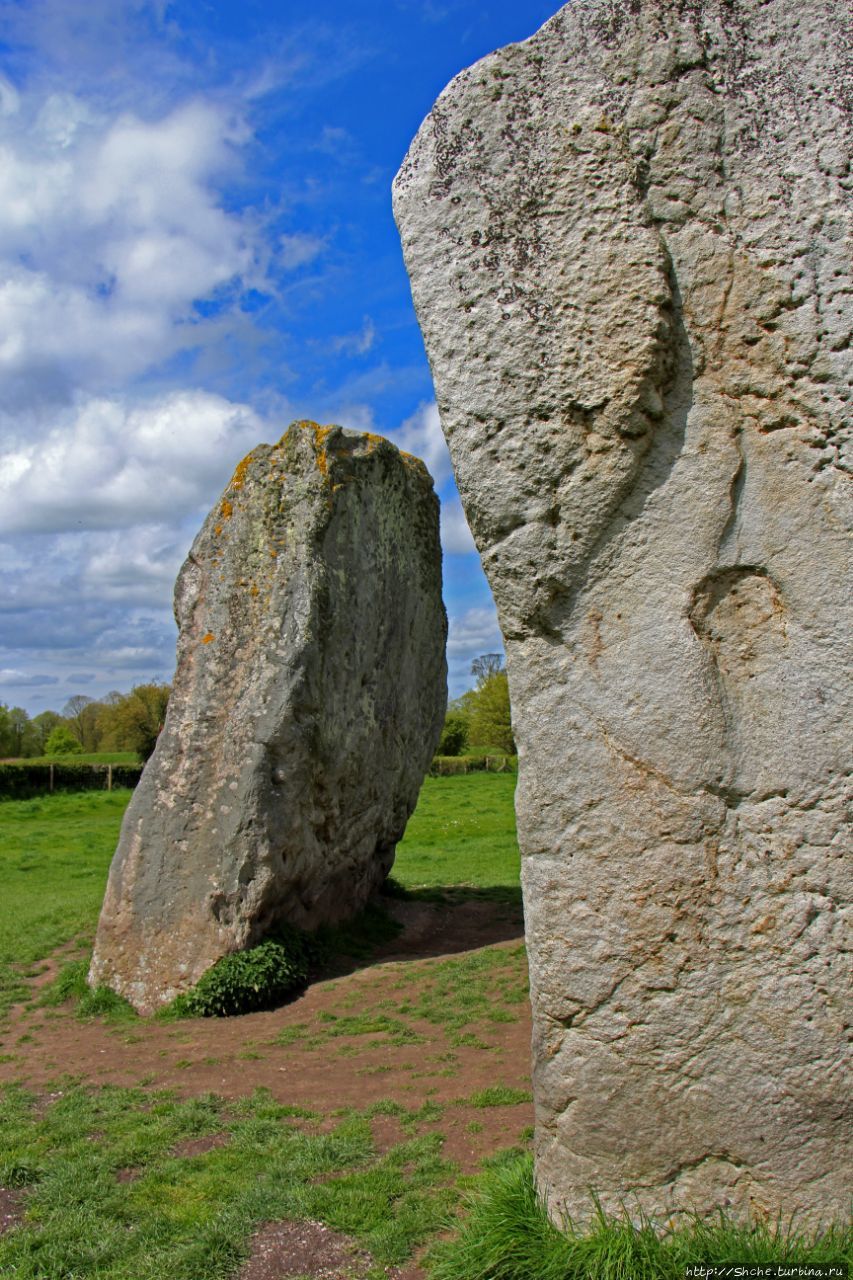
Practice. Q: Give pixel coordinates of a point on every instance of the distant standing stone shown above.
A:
(629, 241)
(308, 700)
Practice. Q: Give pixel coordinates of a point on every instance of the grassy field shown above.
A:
(54, 855)
(186, 1216)
(55, 852)
(113, 1182)
(462, 833)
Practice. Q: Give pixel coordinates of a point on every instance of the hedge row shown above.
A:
(21, 781)
(443, 765)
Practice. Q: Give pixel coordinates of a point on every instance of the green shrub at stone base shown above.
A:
(247, 981)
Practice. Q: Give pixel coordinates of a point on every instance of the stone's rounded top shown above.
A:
(328, 444)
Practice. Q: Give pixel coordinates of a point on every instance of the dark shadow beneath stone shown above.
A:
(429, 923)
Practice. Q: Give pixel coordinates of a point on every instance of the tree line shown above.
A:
(480, 718)
(116, 722)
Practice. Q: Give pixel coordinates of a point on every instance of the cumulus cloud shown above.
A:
(456, 537)
(474, 631)
(470, 633)
(110, 230)
(110, 464)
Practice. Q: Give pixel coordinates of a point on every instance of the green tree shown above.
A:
(5, 731)
(136, 719)
(454, 735)
(62, 741)
(44, 724)
(487, 706)
(78, 722)
(25, 739)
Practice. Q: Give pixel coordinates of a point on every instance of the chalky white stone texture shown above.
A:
(307, 703)
(629, 242)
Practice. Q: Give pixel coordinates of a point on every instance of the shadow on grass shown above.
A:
(399, 924)
(421, 924)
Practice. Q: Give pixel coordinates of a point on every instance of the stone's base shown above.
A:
(629, 246)
(308, 699)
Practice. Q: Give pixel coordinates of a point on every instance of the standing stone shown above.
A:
(630, 253)
(308, 700)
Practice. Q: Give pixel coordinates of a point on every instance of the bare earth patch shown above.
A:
(11, 1208)
(281, 1250)
(199, 1146)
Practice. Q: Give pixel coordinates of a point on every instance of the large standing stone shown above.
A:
(629, 246)
(308, 700)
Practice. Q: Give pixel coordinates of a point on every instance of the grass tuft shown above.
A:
(507, 1235)
(499, 1095)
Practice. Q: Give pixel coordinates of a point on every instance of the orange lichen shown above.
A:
(217, 529)
(254, 590)
(321, 435)
(208, 638)
(226, 510)
(239, 477)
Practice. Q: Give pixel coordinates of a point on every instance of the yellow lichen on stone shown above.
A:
(412, 460)
(206, 639)
(226, 509)
(239, 477)
(321, 435)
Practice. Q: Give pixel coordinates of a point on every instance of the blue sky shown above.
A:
(197, 247)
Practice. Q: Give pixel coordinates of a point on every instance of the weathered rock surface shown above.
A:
(630, 253)
(308, 700)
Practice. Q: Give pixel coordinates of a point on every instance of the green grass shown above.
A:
(462, 833)
(499, 1095)
(465, 995)
(190, 1217)
(507, 1235)
(55, 852)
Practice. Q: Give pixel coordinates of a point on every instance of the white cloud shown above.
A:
(456, 537)
(12, 679)
(110, 230)
(474, 631)
(421, 435)
(298, 249)
(471, 633)
(112, 465)
(358, 343)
